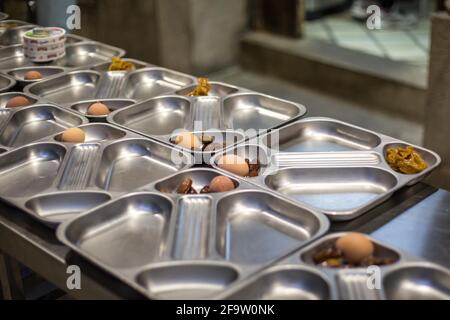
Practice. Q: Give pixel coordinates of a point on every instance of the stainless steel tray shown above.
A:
(230, 114)
(336, 167)
(79, 55)
(53, 180)
(297, 278)
(171, 246)
(81, 85)
(14, 35)
(6, 83)
(20, 126)
(3, 16)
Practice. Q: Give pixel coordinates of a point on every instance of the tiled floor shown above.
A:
(402, 45)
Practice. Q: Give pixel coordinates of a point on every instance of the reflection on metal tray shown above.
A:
(6, 83)
(69, 178)
(298, 278)
(338, 168)
(3, 16)
(75, 86)
(190, 246)
(229, 114)
(82, 54)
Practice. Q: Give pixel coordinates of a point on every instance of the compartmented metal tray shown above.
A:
(6, 83)
(229, 114)
(20, 126)
(298, 278)
(172, 246)
(13, 35)
(53, 180)
(338, 168)
(82, 85)
(79, 54)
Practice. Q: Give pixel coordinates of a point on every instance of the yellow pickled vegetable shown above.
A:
(202, 88)
(118, 64)
(405, 160)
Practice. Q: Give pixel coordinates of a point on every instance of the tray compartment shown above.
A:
(125, 233)
(321, 136)
(258, 111)
(187, 281)
(151, 82)
(99, 132)
(29, 170)
(192, 228)
(285, 283)
(154, 117)
(218, 89)
(381, 251)
(58, 207)
(133, 163)
(33, 123)
(67, 88)
(112, 104)
(45, 71)
(12, 36)
(88, 53)
(6, 83)
(417, 282)
(256, 227)
(345, 190)
(78, 169)
(4, 97)
(12, 57)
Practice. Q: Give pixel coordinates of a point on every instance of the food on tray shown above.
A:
(214, 147)
(221, 184)
(33, 75)
(234, 164)
(98, 109)
(217, 184)
(350, 251)
(188, 140)
(253, 168)
(17, 101)
(117, 64)
(405, 160)
(202, 88)
(75, 135)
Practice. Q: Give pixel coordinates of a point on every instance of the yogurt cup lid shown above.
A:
(44, 33)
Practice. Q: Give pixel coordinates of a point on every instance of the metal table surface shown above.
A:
(415, 219)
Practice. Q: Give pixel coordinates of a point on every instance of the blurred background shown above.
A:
(327, 54)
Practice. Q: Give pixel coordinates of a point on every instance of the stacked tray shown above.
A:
(338, 168)
(228, 114)
(298, 278)
(54, 180)
(169, 246)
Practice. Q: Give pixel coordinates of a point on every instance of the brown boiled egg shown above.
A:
(355, 247)
(221, 184)
(74, 135)
(188, 140)
(98, 109)
(32, 75)
(234, 164)
(17, 101)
